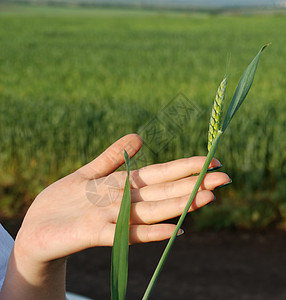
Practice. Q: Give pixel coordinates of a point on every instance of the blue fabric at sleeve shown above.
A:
(6, 246)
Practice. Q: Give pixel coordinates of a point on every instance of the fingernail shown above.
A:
(223, 185)
(214, 168)
(180, 232)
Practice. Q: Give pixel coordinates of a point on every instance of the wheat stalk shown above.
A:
(238, 98)
(120, 247)
(216, 114)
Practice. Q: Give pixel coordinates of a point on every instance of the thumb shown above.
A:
(112, 158)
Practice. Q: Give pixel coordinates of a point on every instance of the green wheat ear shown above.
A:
(216, 114)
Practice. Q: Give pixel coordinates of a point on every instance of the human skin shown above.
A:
(78, 212)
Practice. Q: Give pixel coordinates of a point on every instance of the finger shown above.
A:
(178, 188)
(169, 171)
(157, 211)
(137, 234)
(150, 233)
(112, 158)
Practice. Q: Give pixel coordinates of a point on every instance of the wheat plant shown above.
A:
(216, 129)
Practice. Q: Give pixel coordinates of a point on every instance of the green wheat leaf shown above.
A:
(216, 114)
(242, 89)
(119, 261)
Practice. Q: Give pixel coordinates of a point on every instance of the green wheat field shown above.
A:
(73, 80)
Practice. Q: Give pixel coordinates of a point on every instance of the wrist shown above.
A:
(29, 278)
(35, 271)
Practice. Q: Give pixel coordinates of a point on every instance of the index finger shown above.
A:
(169, 171)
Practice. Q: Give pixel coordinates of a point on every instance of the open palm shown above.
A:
(80, 210)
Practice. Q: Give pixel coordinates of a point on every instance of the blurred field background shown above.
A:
(75, 79)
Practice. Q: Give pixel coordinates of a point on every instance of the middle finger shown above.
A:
(178, 188)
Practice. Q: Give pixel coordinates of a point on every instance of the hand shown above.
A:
(80, 210)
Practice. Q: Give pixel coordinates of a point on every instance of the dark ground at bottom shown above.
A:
(207, 265)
